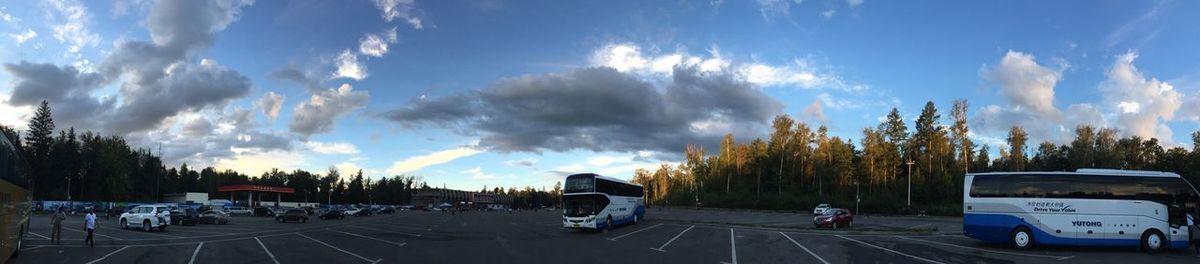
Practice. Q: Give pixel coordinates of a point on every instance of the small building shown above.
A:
(189, 197)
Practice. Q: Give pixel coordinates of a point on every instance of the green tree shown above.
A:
(37, 146)
(1016, 148)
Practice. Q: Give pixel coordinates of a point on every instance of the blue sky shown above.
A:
(517, 93)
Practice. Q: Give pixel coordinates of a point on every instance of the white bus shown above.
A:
(597, 202)
(1088, 207)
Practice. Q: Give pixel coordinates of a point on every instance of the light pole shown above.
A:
(781, 160)
(857, 198)
(909, 203)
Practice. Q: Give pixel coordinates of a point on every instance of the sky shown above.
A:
(496, 93)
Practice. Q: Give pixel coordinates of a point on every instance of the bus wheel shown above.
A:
(1022, 239)
(20, 242)
(1152, 241)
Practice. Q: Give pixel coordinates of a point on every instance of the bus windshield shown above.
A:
(579, 207)
(579, 184)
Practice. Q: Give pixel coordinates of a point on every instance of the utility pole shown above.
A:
(857, 198)
(781, 159)
(909, 163)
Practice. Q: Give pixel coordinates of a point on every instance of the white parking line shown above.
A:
(109, 254)
(264, 247)
(987, 250)
(664, 245)
(804, 248)
(732, 248)
(94, 233)
(193, 260)
(385, 231)
(41, 236)
(339, 249)
(889, 250)
(31, 248)
(371, 238)
(634, 232)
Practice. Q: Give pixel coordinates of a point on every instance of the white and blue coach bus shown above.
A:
(597, 202)
(1088, 207)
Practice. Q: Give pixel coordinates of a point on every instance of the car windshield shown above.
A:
(830, 212)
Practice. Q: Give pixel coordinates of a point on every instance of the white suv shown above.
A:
(149, 217)
(821, 209)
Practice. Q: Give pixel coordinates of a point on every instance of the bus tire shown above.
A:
(1021, 238)
(20, 242)
(1153, 241)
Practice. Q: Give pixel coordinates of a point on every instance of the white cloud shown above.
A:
(402, 9)
(1024, 83)
(23, 37)
(801, 72)
(854, 3)
(347, 169)
(522, 162)
(1143, 104)
(332, 147)
(254, 163)
(270, 103)
(415, 163)
(73, 29)
(772, 9)
(828, 14)
(348, 67)
(477, 174)
(373, 45)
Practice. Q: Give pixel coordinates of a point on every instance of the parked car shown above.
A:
(359, 212)
(332, 214)
(149, 217)
(309, 209)
(297, 215)
(184, 216)
(239, 210)
(214, 217)
(264, 212)
(386, 210)
(821, 209)
(835, 218)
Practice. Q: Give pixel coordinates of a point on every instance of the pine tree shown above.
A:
(38, 142)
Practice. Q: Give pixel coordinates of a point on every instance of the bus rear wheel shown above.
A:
(1022, 239)
(1152, 241)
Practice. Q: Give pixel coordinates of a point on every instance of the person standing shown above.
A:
(89, 222)
(56, 221)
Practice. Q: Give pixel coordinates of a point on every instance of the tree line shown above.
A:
(91, 167)
(796, 166)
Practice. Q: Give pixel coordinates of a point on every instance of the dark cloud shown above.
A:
(600, 109)
(178, 30)
(65, 88)
(293, 73)
(186, 88)
(317, 115)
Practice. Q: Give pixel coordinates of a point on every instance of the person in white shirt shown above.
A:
(89, 222)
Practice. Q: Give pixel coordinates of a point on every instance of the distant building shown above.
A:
(437, 196)
(191, 197)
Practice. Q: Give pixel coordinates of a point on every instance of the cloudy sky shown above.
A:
(517, 93)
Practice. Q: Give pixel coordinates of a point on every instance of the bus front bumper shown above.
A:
(587, 222)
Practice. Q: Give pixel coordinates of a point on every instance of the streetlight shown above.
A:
(909, 163)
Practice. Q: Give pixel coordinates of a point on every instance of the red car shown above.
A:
(835, 218)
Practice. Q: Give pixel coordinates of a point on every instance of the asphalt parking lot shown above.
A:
(536, 237)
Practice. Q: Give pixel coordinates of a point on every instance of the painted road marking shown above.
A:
(94, 233)
(664, 245)
(804, 248)
(195, 252)
(372, 238)
(264, 247)
(109, 254)
(339, 249)
(634, 232)
(31, 248)
(36, 234)
(889, 250)
(987, 250)
(385, 231)
(732, 248)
